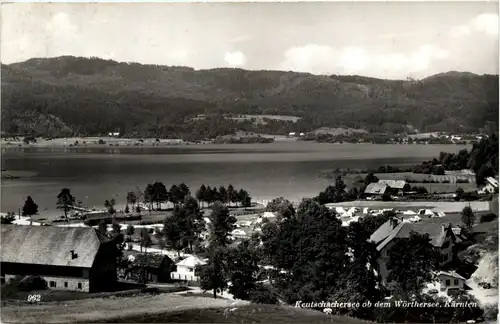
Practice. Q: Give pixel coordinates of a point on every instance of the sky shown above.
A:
(393, 40)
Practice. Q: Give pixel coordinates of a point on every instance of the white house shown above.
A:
(186, 269)
(446, 282)
(115, 134)
(292, 134)
(490, 186)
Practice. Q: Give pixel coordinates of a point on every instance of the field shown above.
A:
(105, 309)
(245, 314)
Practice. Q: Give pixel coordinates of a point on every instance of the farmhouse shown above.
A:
(150, 267)
(396, 186)
(186, 269)
(376, 190)
(77, 259)
(387, 234)
(491, 186)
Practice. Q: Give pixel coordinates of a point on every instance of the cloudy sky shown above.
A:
(387, 40)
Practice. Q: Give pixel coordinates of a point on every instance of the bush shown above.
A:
(490, 312)
(263, 295)
(32, 283)
(487, 217)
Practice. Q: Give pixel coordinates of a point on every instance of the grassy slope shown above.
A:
(246, 314)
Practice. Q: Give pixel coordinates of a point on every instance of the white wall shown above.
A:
(72, 283)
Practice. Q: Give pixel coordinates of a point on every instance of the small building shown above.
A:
(375, 189)
(186, 269)
(449, 281)
(291, 134)
(490, 186)
(68, 258)
(150, 267)
(398, 187)
(114, 134)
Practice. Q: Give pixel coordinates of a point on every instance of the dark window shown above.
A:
(79, 285)
(455, 282)
(446, 244)
(447, 282)
(52, 284)
(65, 284)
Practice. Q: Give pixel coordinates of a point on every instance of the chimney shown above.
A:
(73, 254)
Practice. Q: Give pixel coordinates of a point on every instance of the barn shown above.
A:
(75, 259)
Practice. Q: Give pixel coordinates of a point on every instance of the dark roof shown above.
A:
(376, 188)
(50, 245)
(149, 260)
(403, 230)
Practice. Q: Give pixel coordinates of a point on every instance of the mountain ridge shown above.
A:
(157, 100)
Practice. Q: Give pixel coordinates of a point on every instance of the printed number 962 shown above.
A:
(34, 298)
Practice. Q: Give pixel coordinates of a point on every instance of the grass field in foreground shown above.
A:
(245, 314)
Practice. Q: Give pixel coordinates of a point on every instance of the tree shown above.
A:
(209, 196)
(243, 269)
(116, 229)
(223, 195)
(468, 217)
(213, 275)
(160, 194)
(102, 227)
(7, 219)
(459, 193)
(130, 231)
(127, 209)
(149, 196)
(411, 262)
(110, 205)
(221, 225)
(145, 238)
(174, 228)
(201, 194)
(131, 198)
(194, 221)
(184, 189)
(370, 178)
(175, 195)
(333, 194)
(65, 201)
(281, 206)
(245, 199)
(232, 194)
(30, 208)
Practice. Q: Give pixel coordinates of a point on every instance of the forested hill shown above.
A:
(82, 96)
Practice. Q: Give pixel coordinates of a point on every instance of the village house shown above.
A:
(397, 187)
(490, 186)
(76, 259)
(386, 235)
(186, 269)
(374, 190)
(446, 283)
(150, 267)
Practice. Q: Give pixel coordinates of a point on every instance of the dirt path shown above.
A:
(104, 309)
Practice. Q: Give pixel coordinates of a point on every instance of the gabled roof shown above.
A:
(50, 245)
(492, 181)
(382, 232)
(150, 260)
(395, 184)
(191, 261)
(376, 188)
(404, 229)
(452, 274)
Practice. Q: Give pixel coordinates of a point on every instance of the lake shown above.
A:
(266, 171)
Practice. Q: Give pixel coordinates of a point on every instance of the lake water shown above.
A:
(266, 171)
